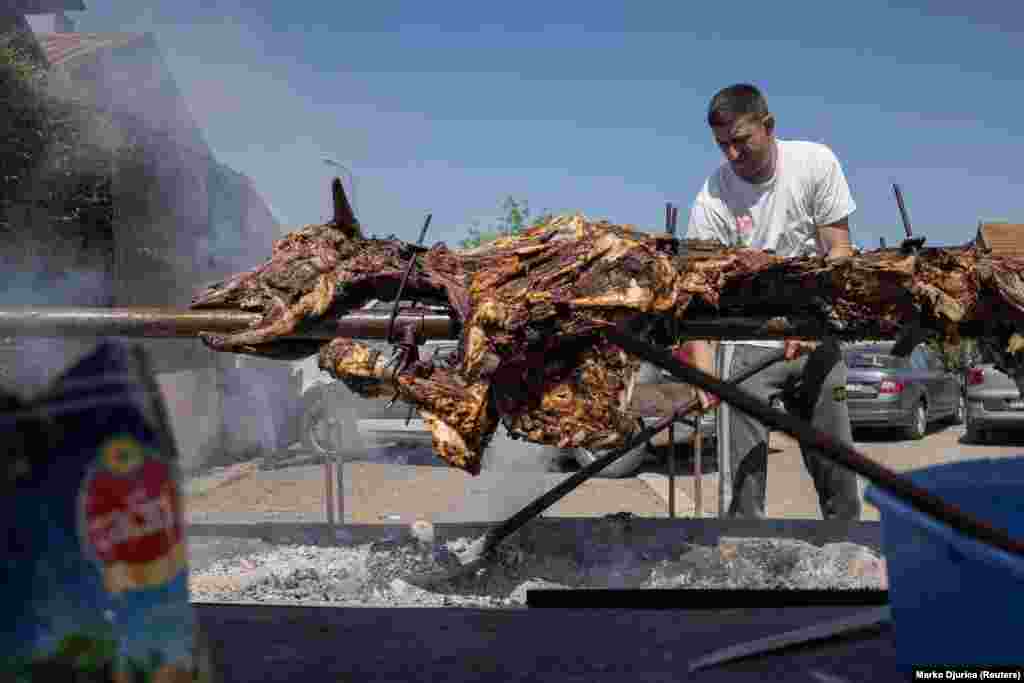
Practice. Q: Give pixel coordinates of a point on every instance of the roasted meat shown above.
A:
(531, 309)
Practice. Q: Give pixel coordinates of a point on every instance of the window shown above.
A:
(874, 358)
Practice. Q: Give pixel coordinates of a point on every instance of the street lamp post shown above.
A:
(351, 179)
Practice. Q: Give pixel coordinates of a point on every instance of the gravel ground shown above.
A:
(372, 575)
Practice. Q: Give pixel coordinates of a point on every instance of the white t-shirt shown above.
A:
(808, 190)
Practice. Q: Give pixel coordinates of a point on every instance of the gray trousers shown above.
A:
(743, 441)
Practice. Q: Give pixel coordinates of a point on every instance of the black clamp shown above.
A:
(407, 351)
(911, 246)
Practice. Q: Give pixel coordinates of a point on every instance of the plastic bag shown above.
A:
(96, 571)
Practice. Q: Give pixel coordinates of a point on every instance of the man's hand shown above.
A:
(797, 347)
(707, 401)
(698, 355)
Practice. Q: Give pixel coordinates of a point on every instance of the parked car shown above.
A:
(884, 390)
(994, 401)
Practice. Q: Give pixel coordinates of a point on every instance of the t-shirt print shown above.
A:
(744, 230)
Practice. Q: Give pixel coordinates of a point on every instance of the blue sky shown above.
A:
(598, 107)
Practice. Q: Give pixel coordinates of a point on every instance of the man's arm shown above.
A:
(835, 239)
(833, 204)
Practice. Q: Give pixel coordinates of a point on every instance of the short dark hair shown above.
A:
(735, 101)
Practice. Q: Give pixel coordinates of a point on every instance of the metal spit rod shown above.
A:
(159, 322)
(167, 323)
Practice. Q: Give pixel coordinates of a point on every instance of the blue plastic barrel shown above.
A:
(954, 600)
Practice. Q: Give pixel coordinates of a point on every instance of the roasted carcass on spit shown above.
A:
(531, 310)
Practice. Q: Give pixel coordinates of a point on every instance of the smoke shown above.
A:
(30, 364)
(176, 218)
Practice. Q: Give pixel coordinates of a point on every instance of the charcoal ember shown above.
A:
(773, 564)
(773, 557)
(364, 576)
(859, 565)
(532, 308)
(699, 561)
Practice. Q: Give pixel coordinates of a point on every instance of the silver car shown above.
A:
(884, 390)
(994, 402)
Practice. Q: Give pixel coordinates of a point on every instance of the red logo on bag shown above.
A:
(133, 517)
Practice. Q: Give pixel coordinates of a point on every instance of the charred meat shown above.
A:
(531, 309)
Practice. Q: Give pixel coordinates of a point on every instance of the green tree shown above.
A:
(515, 218)
(24, 113)
(57, 158)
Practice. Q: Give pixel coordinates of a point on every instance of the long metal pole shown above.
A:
(160, 322)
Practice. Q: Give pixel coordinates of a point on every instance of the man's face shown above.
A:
(747, 143)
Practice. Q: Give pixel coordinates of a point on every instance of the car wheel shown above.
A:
(918, 422)
(959, 412)
(316, 424)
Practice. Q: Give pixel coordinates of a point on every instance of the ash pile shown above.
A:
(374, 575)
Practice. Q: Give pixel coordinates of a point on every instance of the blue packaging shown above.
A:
(95, 562)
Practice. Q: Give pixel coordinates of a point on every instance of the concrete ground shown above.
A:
(384, 493)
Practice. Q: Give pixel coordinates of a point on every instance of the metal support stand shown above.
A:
(698, 469)
(723, 363)
(672, 471)
(334, 461)
(329, 490)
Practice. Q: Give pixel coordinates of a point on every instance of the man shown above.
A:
(790, 197)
